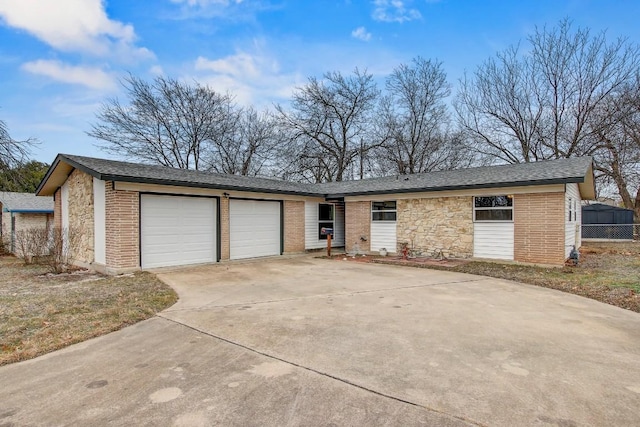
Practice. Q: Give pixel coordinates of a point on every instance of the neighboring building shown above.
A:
(21, 211)
(605, 222)
(133, 216)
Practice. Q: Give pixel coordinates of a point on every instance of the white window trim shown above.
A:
(384, 210)
(326, 221)
(497, 208)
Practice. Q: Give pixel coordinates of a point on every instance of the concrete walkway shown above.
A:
(304, 341)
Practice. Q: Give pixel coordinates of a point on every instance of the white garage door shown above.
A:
(177, 230)
(254, 228)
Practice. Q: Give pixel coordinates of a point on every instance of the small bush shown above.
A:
(32, 244)
(60, 243)
(51, 248)
(4, 247)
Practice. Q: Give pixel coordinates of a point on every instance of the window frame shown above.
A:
(325, 222)
(493, 208)
(384, 210)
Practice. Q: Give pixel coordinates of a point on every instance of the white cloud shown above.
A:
(361, 34)
(393, 11)
(156, 70)
(73, 26)
(91, 77)
(251, 78)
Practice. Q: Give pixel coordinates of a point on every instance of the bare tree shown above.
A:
(250, 150)
(416, 121)
(13, 153)
(326, 124)
(167, 122)
(544, 104)
(617, 151)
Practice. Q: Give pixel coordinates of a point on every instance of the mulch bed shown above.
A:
(424, 262)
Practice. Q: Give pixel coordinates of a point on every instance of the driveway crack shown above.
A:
(326, 374)
(336, 294)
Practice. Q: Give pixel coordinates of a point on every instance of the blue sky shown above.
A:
(60, 59)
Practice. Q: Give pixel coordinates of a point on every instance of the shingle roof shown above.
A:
(111, 170)
(574, 170)
(538, 173)
(25, 202)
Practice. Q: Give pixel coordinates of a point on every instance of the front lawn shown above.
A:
(607, 272)
(40, 312)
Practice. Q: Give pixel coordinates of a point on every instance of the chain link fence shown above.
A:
(611, 231)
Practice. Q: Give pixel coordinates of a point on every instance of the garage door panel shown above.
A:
(177, 230)
(254, 228)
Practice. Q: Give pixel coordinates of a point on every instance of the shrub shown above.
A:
(51, 248)
(31, 244)
(61, 243)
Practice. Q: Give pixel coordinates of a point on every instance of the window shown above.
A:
(325, 218)
(383, 211)
(493, 208)
(570, 209)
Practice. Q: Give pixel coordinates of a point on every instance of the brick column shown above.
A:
(122, 229)
(538, 222)
(357, 224)
(224, 229)
(293, 226)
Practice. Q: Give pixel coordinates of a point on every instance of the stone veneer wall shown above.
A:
(293, 226)
(81, 216)
(122, 229)
(357, 224)
(57, 210)
(539, 228)
(437, 224)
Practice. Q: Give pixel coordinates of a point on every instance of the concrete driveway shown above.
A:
(303, 341)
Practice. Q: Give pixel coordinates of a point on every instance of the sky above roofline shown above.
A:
(59, 60)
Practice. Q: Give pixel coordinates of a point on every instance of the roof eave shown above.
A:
(587, 186)
(460, 187)
(33, 211)
(58, 173)
(140, 180)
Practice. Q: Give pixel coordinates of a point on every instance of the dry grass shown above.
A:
(40, 313)
(607, 272)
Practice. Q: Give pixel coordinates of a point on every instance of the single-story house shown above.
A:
(22, 211)
(136, 216)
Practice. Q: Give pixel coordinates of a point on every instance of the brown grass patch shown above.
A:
(40, 312)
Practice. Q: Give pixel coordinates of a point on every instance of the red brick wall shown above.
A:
(357, 224)
(293, 226)
(539, 234)
(122, 228)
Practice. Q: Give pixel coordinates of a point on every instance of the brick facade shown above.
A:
(539, 234)
(437, 225)
(81, 212)
(122, 229)
(225, 241)
(357, 225)
(293, 226)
